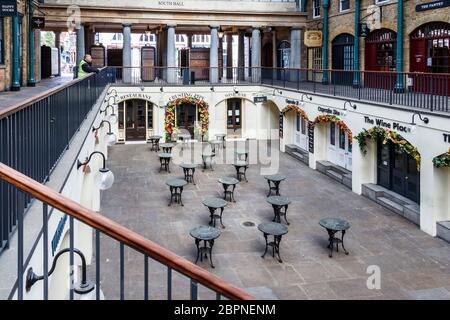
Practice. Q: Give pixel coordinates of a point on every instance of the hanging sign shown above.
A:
(363, 30)
(281, 124)
(313, 38)
(38, 23)
(311, 136)
(446, 137)
(8, 8)
(260, 99)
(432, 5)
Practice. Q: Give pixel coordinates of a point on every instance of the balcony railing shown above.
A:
(35, 133)
(113, 231)
(419, 90)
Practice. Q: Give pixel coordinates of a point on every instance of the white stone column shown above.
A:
(295, 58)
(80, 44)
(214, 55)
(256, 54)
(241, 55)
(171, 62)
(58, 46)
(126, 54)
(274, 53)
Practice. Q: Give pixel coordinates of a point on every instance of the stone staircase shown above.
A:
(393, 201)
(297, 153)
(335, 172)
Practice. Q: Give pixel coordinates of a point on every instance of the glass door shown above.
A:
(301, 132)
(135, 122)
(234, 117)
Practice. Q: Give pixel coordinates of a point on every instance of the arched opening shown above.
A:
(267, 55)
(234, 117)
(299, 121)
(430, 52)
(380, 55)
(186, 115)
(342, 58)
(136, 120)
(339, 140)
(284, 54)
(270, 121)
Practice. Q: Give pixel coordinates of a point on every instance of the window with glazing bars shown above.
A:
(316, 8)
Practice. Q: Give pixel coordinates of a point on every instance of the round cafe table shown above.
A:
(333, 226)
(214, 204)
(154, 140)
(208, 235)
(176, 190)
(274, 183)
(279, 203)
(167, 147)
(227, 183)
(188, 170)
(241, 169)
(221, 138)
(164, 159)
(276, 230)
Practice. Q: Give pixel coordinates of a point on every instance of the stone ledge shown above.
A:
(443, 230)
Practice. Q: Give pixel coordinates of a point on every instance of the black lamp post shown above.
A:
(110, 136)
(83, 288)
(104, 179)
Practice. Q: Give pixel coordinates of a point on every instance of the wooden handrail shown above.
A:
(120, 233)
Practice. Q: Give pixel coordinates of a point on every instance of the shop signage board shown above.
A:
(8, 8)
(432, 5)
(396, 126)
(446, 137)
(260, 99)
(313, 38)
(311, 136)
(281, 124)
(38, 23)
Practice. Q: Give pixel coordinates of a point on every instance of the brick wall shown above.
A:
(343, 22)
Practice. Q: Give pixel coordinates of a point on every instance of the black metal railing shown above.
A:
(34, 135)
(420, 90)
(107, 230)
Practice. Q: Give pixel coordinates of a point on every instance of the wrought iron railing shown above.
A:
(409, 89)
(35, 133)
(127, 239)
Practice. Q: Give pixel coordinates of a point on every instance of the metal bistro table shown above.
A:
(276, 230)
(154, 140)
(207, 235)
(215, 145)
(188, 170)
(239, 165)
(176, 190)
(207, 157)
(242, 152)
(167, 147)
(279, 203)
(221, 138)
(228, 182)
(164, 159)
(274, 183)
(333, 226)
(213, 204)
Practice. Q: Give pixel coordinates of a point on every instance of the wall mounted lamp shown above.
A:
(275, 91)
(235, 90)
(212, 89)
(85, 288)
(104, 178)
(424, 119)
(352, 105)
(111, 91)
(161, 89)
(110, 137)
(112, 118)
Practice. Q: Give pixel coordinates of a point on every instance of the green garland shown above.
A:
(443, 160)
(385, 135)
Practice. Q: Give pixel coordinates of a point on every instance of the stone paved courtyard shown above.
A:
(413, 264)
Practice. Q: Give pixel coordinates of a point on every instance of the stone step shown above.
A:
(334, 175)
(298, 155)
(443, 230)
(391, 205)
